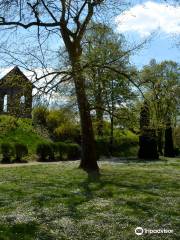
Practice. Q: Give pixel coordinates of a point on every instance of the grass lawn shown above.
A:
(59, 201)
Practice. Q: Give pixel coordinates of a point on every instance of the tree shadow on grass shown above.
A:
(18, 231)
(105, 187)
(87, 194)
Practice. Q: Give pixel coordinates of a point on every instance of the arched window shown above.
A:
(22, 99)
(5, 103)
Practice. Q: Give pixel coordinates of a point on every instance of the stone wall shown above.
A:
(16, 94)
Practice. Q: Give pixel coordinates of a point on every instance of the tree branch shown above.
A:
(50, 13)
(31, 24)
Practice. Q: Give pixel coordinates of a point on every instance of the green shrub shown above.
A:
(73, 151)
(102, 147)
(61, 149)
(7, 123)
(61, 127)
(20, 151)
(7, 152)
(44, 152)
(54, 119)
(123, 146)
(52, 151)
(67, 132)
(22, 131)
(177, 151)
(39, 115)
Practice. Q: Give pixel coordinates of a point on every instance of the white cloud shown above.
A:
(148, 17)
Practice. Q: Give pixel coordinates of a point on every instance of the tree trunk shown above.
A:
(89, 159)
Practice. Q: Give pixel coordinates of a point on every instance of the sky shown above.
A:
(156, 20)
(143, 19)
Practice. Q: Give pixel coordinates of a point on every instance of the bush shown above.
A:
(61, 149)
(73, 151)
(45, 152)
(20, 151)
(39, 115)
(54, 119)
(7, 123)
(7, 152)
(67, 132)
(177, 151)
(102, 147)
(124, 146)
(61, 127)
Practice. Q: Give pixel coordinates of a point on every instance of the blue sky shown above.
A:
(146, 17)
(160, 48)
(142, 18)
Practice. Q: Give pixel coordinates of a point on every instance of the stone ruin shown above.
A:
(16, 94)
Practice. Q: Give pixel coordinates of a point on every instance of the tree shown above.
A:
(107, 89)
(70, 20)
(161, 85)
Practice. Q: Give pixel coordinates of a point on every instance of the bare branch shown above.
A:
(31, 24)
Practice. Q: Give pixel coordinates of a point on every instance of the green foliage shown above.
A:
(102, 147)
(161, 83)
(125, 144)
(62, 125)
(58, 151)
(108, 87)
(67, 132)
(124, 133)
(61, 149)
(177, 136)
(68, 150)
(7, 152)
(54, 119)
(39, 115)
(161, 86)
(21, 150)
(177, 151)
(125, 147)
(21, 131)
(73, 151)
(44, 151)
(7, 123)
